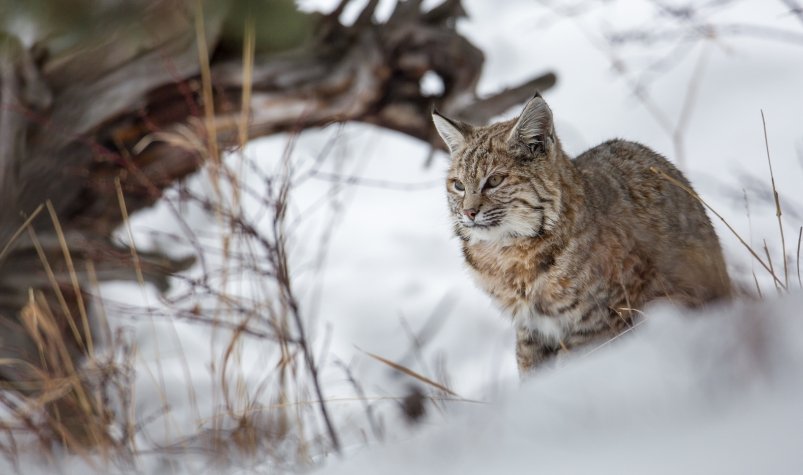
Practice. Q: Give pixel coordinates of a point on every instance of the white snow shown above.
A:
(716, 392)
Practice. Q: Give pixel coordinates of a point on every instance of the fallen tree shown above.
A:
(102, 112)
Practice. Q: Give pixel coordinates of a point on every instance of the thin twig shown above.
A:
(278, 253)
(206, 84)
(79, 298)
(308, 358)
(358, 389)
(777, 204)
(758, 288)
(51, 276)
(411, 373)
(799, 235)
(19, 231)
(249, 40)
(769, 260)
(127, 223)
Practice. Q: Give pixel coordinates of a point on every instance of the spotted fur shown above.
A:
(572, 249)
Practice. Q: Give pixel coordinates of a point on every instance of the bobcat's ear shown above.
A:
(452, 132)
(534, 127)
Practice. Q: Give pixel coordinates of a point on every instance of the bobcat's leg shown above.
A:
(531, 352)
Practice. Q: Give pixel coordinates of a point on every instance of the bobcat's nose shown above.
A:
(471, 213)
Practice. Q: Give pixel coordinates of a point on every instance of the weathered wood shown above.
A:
(126, 103)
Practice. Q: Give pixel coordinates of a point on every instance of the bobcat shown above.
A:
(572, 249)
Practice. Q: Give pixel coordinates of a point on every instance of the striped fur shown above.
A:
(571, 249)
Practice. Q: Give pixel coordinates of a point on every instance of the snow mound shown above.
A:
(711, 392)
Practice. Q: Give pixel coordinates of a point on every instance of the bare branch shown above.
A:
(366, 16)
(483, 110)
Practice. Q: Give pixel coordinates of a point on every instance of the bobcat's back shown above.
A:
(666, 223)
(572, 249)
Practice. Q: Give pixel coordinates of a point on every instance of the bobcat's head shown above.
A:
(504, 178)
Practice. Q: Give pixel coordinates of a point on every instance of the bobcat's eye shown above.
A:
(458, 185)
(494, 181)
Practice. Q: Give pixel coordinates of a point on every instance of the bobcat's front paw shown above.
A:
(531, 353)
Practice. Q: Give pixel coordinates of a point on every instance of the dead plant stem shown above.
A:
(777, 204)
(724, 221)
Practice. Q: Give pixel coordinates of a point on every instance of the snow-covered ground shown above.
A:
(377, 271)
(717, 392)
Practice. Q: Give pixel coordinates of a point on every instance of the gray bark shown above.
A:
(76, 115)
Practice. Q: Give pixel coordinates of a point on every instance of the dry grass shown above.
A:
(781, 282)
(63, 399)
(80, 392)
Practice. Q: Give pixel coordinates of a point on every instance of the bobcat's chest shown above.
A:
(527, 282)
